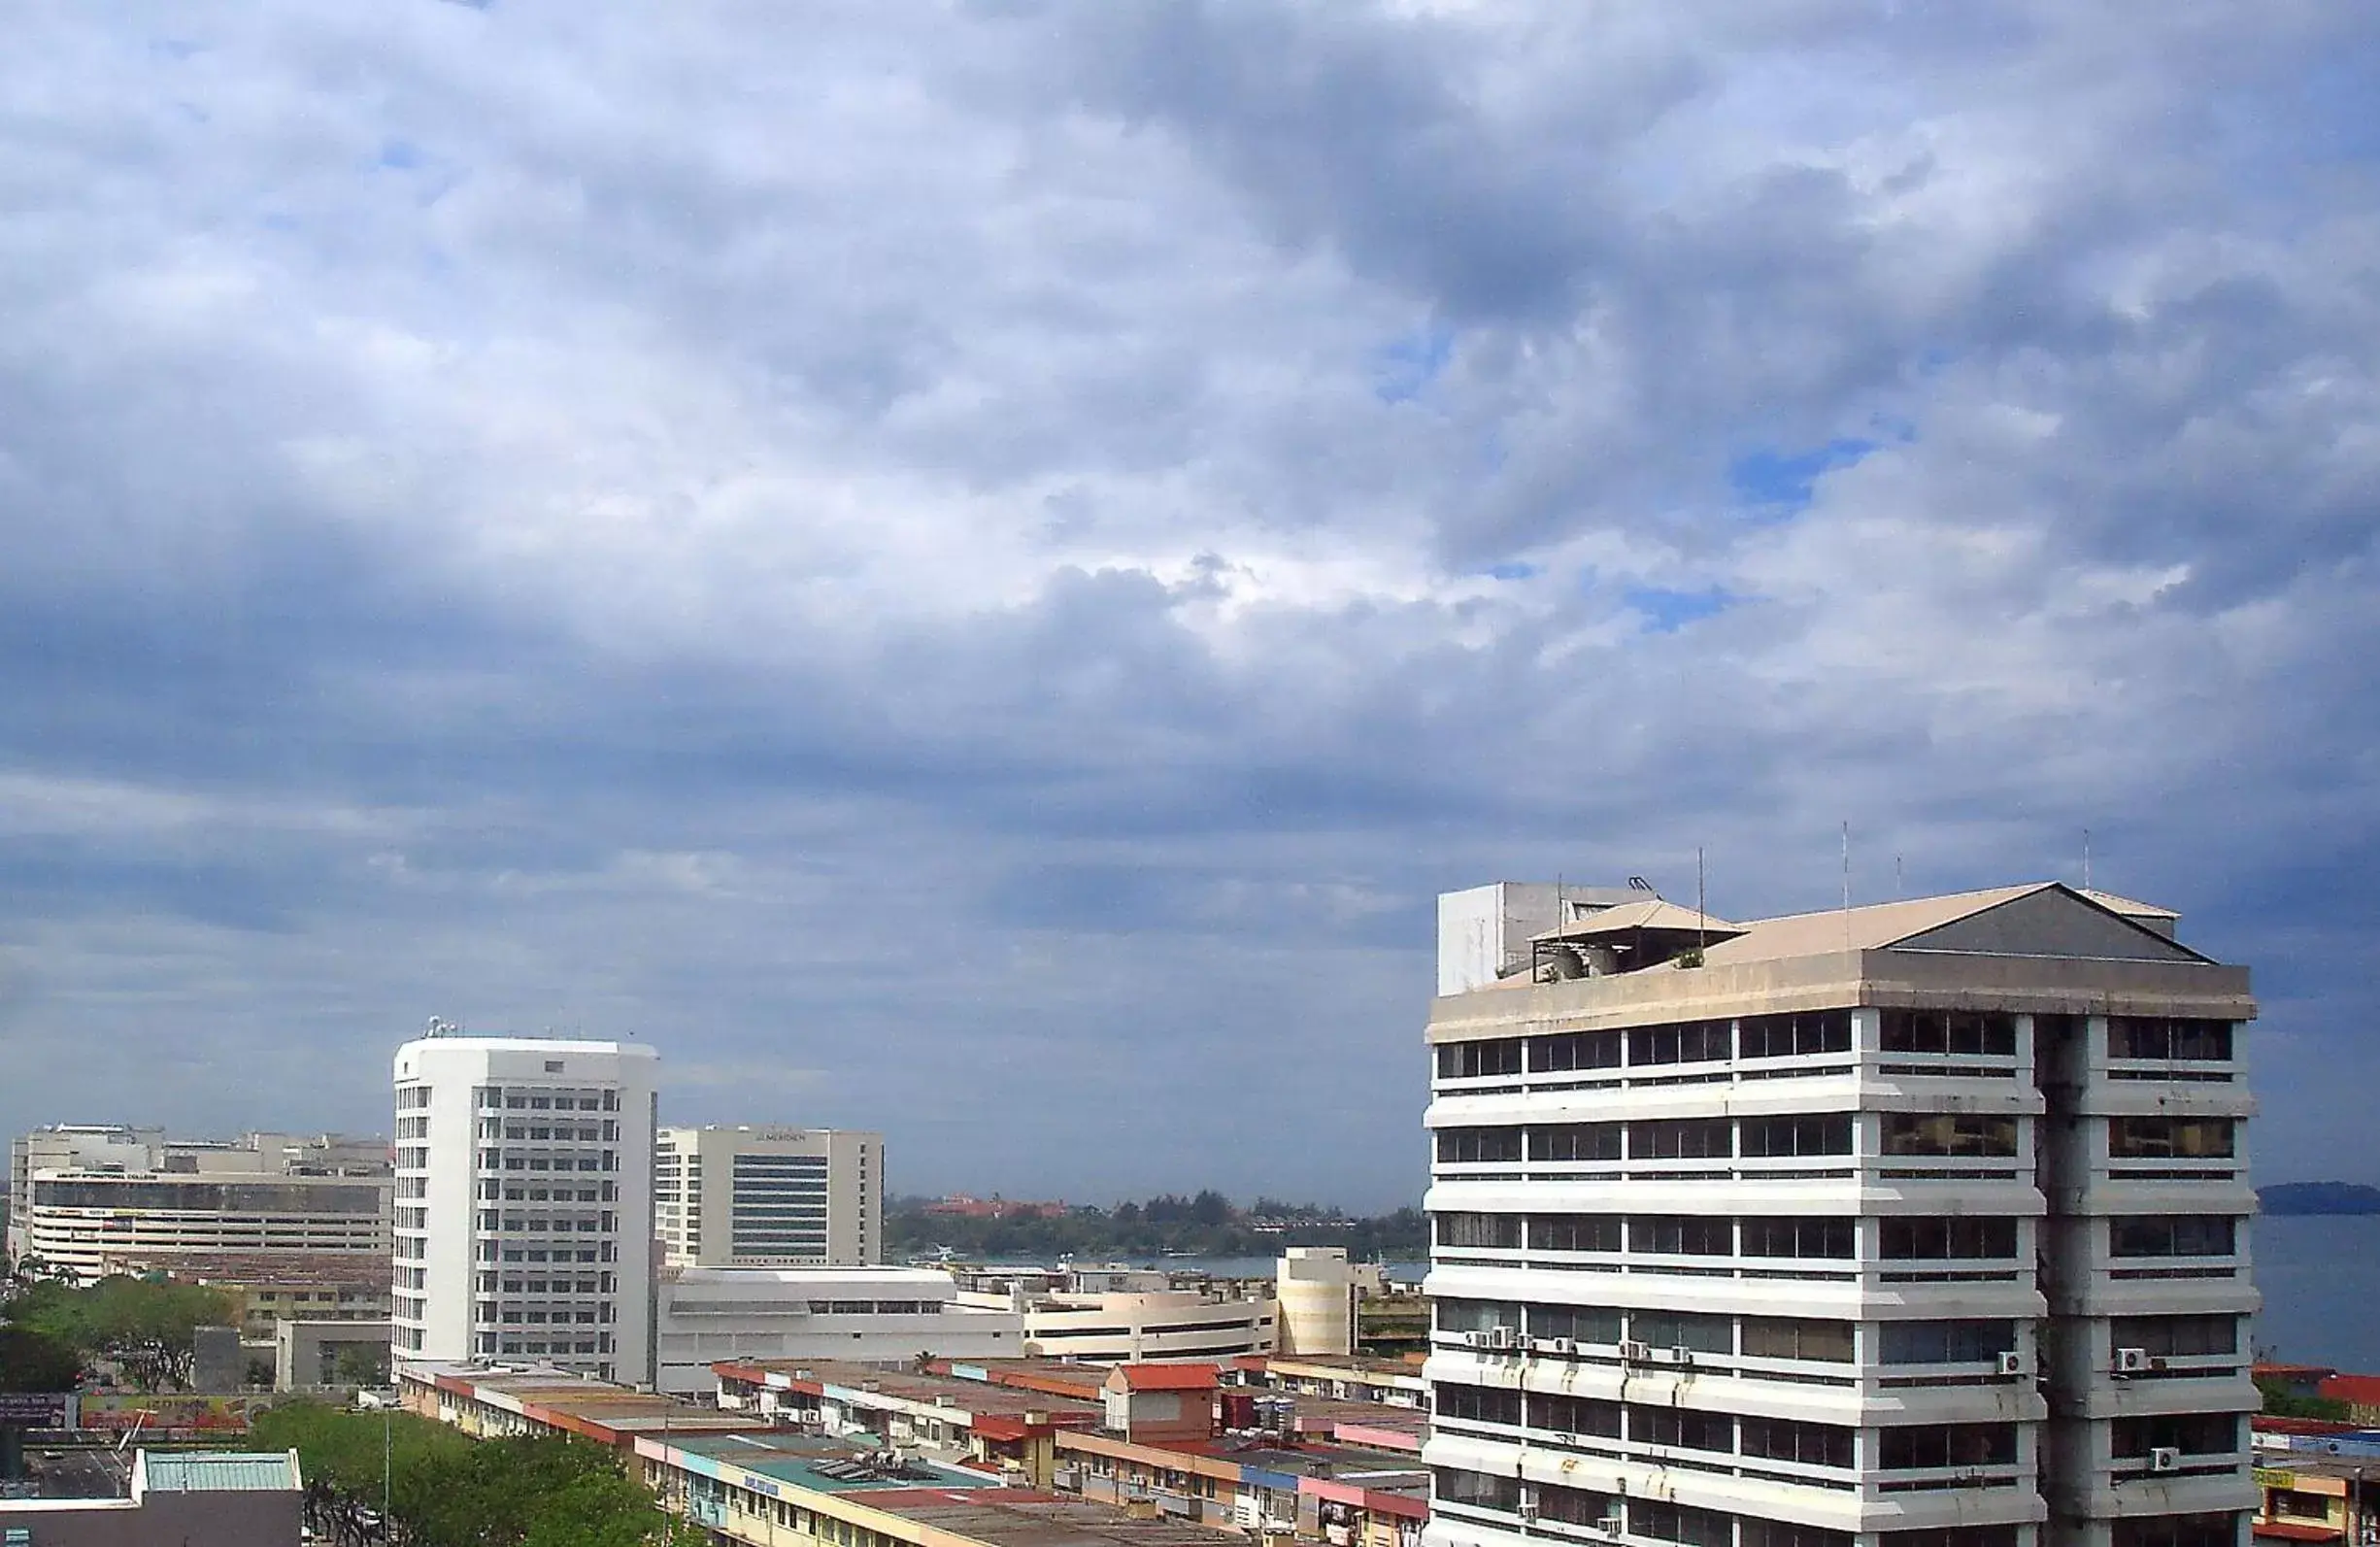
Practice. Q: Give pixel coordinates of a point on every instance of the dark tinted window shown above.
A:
(1680, 1426)
(1574, 1050)
(1688, 1139)
(1783, 1036)
(2164, 1037)
(1963, 1031)
(1574, 1415)
(1752, 1532)
(1932, 1239)
(1680, 1522)
(1479, 1404)
(1681, 1235)
(1784, 1439)
(2183, 1335)
(1689, 1042)
(1701, 1335)
(2138, 1138)
(1574, 1232)
(2191, 1434)
(1947, 1445)
(1456, 1486)
(1829, 1133)
(1946, 1343)
(1797, 1237)
(1581, 1323)
(1460, 1061)
(1478, 1230)
(2170, 1236)
(2175, 1530)
(1798, 1338)
(1575, 1141)
(1471, 1145)
(1957, 1133)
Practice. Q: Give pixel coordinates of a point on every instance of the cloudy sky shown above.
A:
(972, 568)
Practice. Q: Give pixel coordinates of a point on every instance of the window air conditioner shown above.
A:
(2012, 1363)
(2165, 1459)
(1565, 1345)
(1608, 1525)
(2131, 1361)
(1637, 1351)
(1502, 1338)
(1475, 1339)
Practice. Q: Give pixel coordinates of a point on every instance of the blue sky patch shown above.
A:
(1789, 479)
(1665, 611)
(1513, 570)
(1407, 366)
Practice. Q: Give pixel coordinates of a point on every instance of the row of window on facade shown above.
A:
(1663, 1520)
(539, 1099)
(1908, 1447)
(1963, 1033)
(1832, 1133)
(1911, 1342)
(1817, 1236)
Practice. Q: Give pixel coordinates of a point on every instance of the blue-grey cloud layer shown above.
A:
(972, 568)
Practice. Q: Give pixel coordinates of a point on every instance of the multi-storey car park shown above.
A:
(1919, 1225)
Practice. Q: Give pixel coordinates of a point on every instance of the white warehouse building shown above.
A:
(524, 1202)
(859, 1315)
(1921, 1225)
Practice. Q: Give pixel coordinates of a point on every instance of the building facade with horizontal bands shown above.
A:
(1922, 1225)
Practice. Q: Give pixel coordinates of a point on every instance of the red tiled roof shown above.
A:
(2293, 1371)
(2361, 1389)
(2292, 1531)
(1167, 1377)
(2272, 1423)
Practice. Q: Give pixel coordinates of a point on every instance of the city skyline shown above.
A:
(971, 573)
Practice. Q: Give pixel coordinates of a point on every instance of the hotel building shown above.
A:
(1922, 1225)
(769, 1196)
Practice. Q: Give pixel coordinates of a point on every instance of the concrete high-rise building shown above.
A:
(769, 1196)
(523, 1202)
(1922, 1225)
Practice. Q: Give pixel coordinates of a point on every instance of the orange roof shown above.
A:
(2292, 1531)
(2363, 1390)
(1167, 1377)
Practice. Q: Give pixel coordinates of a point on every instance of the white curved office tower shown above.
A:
(1922, 1225)
(524, 1202)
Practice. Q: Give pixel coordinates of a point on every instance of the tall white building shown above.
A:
(769, 1196)
(523, 1202)
(1922, 1225)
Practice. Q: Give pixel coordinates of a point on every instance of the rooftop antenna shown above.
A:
(1702, 914)
(1846, 885)
(2086, 858)
(1901, 880)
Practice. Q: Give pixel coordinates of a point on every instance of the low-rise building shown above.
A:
(267, 1287)
(194, 1498)
(790, 1489)
(500, 1403)
(1137, 1326)
(1003, 1430)
(1348, 1378)
(869, 1315)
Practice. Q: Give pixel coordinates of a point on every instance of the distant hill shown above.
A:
(2319, 1198)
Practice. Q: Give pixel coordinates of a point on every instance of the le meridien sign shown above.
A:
(37, 1409)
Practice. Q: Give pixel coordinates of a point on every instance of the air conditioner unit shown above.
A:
(1681, 1355)
(1565, 1345)
(1638, 1352)
(1528, 1503)
(2131, 1361)
(1502, 1338)
(1609, 1526)
(1475, 1340)
(2012, 1363)
(2165, 1459)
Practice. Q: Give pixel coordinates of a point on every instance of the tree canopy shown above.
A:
(144, 1324)
(448, 1489)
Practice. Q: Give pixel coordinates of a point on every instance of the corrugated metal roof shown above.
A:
(1654, 914)
(219, 1472)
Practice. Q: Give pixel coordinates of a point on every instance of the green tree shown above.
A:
(33, 1362)
(2282, 1403)
(361, 1364)
(144, 1325)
